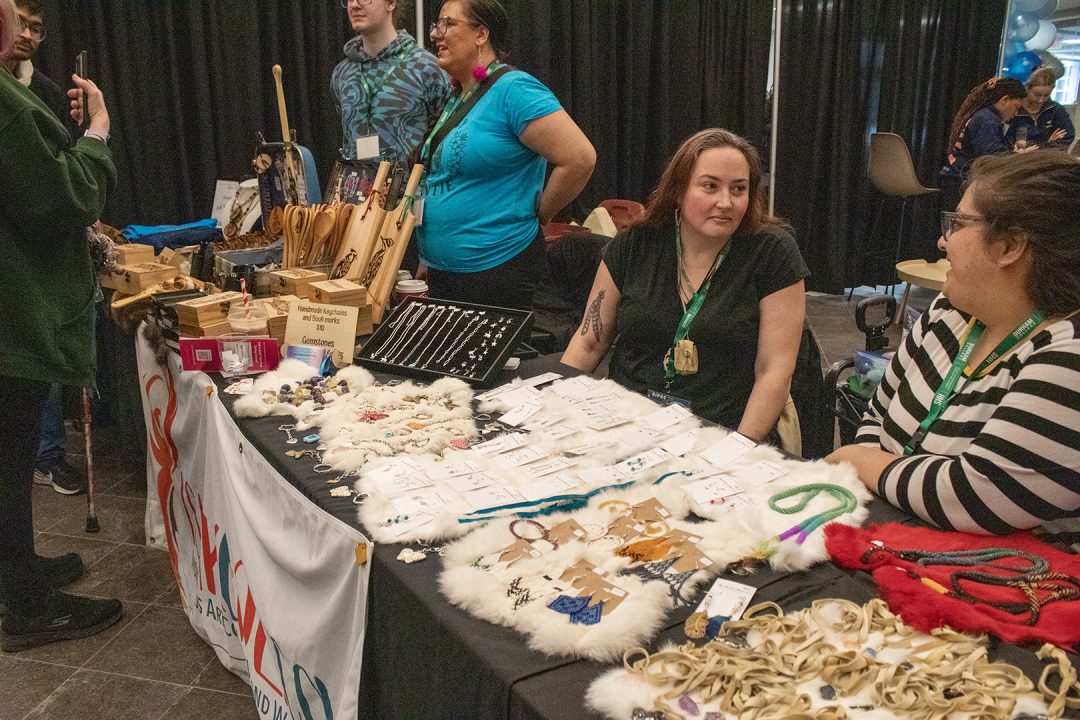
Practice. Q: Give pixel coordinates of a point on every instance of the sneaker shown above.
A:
(61, 477)
(59, 571)
(62, 617)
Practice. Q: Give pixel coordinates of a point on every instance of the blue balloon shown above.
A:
(1023, 26)
(1022, 65)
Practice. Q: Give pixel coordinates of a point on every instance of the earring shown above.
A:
(677, 220)
(479, 72)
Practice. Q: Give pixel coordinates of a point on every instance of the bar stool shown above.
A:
(930, 275)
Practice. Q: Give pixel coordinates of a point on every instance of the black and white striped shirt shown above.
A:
(1005, 454)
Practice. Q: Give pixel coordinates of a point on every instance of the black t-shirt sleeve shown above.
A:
(617, 256)
(781, 264)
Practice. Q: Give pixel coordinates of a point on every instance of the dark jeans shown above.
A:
(22, 585)
(51, 448)
(510, 285)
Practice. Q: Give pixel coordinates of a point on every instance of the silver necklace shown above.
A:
(449, 334)
(391, 344)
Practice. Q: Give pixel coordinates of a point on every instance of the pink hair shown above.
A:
(9, 27)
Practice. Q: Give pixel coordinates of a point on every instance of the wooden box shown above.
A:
(206, 310)
(338, 292)
(133, 279)
(134, 253)
(212, 330)
(176, 257)
(363, 320)
(294, 282)
(277, 314)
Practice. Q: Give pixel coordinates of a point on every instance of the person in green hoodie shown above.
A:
(51, 189)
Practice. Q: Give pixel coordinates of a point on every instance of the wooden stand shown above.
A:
(363, 228)
(380, 274)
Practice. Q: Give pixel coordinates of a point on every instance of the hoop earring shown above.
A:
(479, 72)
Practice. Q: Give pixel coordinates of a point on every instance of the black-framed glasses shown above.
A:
(953, 221)
(440, 26)
(346, 3)
(36, 29)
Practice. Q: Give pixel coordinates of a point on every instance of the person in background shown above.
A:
(1040, 121)
(707, 265)
(387, 85)
(21, 65)
(52, 189)
(49, 468)
(978, 129)
(974, 426)
(484, 192)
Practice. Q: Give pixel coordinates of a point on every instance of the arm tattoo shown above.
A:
(592, 317)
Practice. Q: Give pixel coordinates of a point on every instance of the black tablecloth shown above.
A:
(425, 658)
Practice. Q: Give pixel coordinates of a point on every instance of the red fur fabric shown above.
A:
(925, 608)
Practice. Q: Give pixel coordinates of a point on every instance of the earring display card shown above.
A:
(430, 338)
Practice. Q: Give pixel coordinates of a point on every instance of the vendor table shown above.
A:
(316, 604)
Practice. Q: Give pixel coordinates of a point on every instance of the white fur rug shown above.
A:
(370, 420)
(512, 582)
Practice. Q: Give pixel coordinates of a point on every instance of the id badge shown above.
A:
(367, 147)
(666, 398)
(418, 210)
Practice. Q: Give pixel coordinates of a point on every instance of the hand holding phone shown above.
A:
(81, 69)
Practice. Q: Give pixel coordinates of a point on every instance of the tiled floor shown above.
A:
(149, 666)
(152, 666)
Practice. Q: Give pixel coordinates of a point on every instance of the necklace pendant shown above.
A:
(686, 357)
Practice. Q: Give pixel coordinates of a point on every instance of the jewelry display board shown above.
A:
(430, 338)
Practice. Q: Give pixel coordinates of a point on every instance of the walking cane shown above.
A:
(91, 513)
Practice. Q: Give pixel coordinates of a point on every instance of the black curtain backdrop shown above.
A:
(188, 83)
(849, 68)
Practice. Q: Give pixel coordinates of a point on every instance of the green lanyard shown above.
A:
(696, 301)
(945, 394)
(449, 110)
(372, 89)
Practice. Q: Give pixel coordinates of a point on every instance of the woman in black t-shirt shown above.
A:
(708, 279)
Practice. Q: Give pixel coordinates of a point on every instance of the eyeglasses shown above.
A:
(440, 26)
(363, 3)
(953, 221)
(36, 29)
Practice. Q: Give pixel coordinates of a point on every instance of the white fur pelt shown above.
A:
(261, 401)
(605, 448)
(392, 420)
(474, 579)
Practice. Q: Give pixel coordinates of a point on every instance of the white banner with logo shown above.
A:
(275, 585)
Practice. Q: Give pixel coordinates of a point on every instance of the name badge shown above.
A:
(418, 210)
(367, 147)
(665, 398)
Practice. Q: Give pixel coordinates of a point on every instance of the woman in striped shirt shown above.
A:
(976, 424)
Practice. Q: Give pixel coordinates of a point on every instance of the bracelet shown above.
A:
(97, 136)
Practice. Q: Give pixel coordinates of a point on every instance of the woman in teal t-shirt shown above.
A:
(484, 192)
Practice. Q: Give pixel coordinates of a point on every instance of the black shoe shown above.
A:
(61, 477)
(59, 571)
(61, 617)
(63, 570)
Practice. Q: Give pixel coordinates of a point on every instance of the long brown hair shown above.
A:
(1036, 195)
(665, 198)
(983, 94)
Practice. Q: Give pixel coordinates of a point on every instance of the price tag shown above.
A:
(500, 444)
(728, 450)
(665, 418)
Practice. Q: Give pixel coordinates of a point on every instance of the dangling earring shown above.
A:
(677, 223)
(479, 72)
